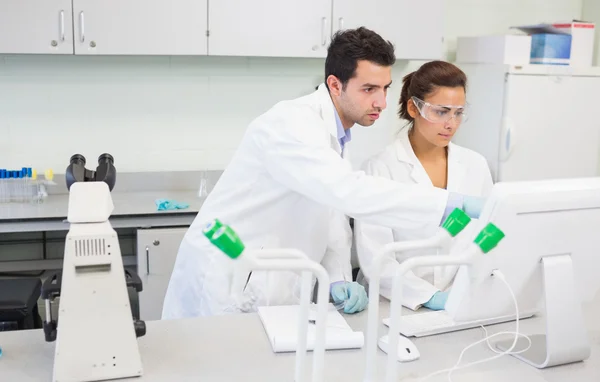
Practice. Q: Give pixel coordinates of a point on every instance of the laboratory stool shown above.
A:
(18, 304)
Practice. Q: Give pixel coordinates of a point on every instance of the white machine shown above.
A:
(533, 122)
(550, 255)
(224, 238)
(96, 334)
(551, 249)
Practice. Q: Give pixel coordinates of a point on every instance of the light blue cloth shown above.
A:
(437, 301)
(353, 295)
(344, 136)
(168, 204)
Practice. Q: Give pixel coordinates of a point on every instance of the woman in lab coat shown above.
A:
(433, 102)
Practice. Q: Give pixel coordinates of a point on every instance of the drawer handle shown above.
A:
(147, 260)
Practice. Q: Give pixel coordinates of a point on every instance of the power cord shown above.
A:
(497, 273)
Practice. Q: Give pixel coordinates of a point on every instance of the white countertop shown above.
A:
(126, 204)
(235, 348)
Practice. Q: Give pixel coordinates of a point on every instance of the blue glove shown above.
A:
(437, 301)
(166, 204)
(473, 205)
(352, 294)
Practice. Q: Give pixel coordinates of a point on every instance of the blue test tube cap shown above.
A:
(24, 171)
(29, 172)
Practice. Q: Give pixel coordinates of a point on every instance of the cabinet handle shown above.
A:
(323, 34)
(341, 23)
(62, 25)
(147, 260)
(81, 27)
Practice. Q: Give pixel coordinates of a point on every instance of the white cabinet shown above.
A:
(269, 28)
(415, 29)
(140, 27)
(156, 253)
(36, 27)
(298, 28)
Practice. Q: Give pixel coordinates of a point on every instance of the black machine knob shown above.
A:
(140, 328)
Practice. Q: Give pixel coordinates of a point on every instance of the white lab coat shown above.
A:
(468, 173)
(282, 188)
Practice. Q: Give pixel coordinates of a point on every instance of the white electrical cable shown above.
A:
(516, 333)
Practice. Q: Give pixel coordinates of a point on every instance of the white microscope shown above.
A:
(96, 332)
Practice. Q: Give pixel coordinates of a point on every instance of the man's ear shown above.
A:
(335, 85)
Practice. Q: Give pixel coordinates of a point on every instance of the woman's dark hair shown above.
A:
(352, 45)
(424, 81)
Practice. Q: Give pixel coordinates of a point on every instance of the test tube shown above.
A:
(19, 187)
(9, 174)
(24, 183)
(2, 186)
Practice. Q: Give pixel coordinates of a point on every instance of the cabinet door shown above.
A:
(415, 29)
(140, 27)
(156, 254)
(36, 27)
(291, 28)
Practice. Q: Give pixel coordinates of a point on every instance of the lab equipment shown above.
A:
(352, 294)
(515, 122)
(168, 204)
(406, 350)
(279, 191)
(486, 240)
(105, 171)
(96, 337)
(437, 301)
(441, 241)
(22, 186)
(225, 238)
(441, 113)
(203, 189)
(550, 253)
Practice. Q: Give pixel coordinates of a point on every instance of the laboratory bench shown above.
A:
(235, 348)
(131, 209)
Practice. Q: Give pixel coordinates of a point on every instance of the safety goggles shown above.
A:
(441, 113)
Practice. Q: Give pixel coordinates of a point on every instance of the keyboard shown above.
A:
(430, 323)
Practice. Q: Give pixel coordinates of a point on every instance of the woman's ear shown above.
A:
(412, 108)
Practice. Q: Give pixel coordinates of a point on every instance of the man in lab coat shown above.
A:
(289, 186)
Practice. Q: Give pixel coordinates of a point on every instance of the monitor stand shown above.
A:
(566, 338)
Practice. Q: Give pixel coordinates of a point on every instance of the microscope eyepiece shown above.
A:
(106, 158)
(78, 159)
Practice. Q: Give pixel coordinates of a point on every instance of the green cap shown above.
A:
(456, 222)
(489, 237)
(211, 228)
(228, 241)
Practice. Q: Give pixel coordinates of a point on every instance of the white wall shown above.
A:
(591, 12)
(163, 113)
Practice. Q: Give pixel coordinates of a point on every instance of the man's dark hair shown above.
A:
(352, 45)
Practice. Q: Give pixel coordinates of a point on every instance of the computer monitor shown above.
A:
(550, 257)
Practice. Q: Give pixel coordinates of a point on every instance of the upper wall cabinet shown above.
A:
(276, 28)
(140, 27)
(415, 30)
(289, 28)
(36, 26)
